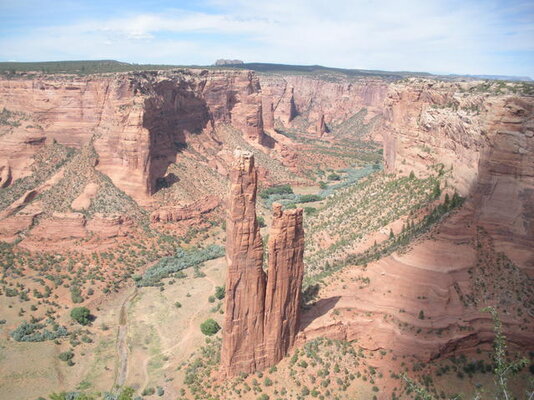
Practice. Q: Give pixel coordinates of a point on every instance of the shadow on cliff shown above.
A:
(171, 115)
(317, 310)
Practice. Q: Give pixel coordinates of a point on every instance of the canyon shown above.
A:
(103, 175)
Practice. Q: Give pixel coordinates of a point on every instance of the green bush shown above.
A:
(334, 177)
(82, 315)
(66, 356)
(281, 189)
(261, 221)
(209, 327)
(308, 198)
(182, 260)
(220, 292)
(35, 332)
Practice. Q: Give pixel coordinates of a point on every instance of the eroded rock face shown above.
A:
(316, 98)
(487, 139)
(138, 122)
(243, 347)
(262, 312)
(284, 282)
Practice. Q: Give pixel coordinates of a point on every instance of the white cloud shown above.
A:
(443, 36)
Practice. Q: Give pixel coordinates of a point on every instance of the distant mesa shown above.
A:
(223, 61)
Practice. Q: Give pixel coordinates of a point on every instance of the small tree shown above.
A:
(503, 368)
(82, 315)
(209, 327)
(220, 292)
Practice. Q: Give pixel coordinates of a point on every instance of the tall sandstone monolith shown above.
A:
(262, 311)
(284, 282)
(242, 346)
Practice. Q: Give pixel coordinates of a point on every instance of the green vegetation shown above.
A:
(66, 356)
(183, 259)
(363, 208)
(220, 292)
(209, 327)
(394, 243)
(36, 332)
(281, 189)
(81, 315)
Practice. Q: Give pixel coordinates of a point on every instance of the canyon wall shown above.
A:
(486, 138)
(137, 122)
(261, 312)
(322, 101)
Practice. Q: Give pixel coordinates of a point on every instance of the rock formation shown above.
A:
(284, 281)
(262, 313)
(243, 340)
(320, 129)
(138, 122)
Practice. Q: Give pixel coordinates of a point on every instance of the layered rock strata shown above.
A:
(262, 311)
(139, 123)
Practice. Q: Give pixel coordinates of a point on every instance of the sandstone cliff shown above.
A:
(315, 99)
(138, 122)
(262, 313)
(486, 137)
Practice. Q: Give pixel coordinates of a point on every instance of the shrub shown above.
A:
(421, 314)
(334, 177)
(82, 315)
(261, 221)
(35, 332)
(149, 391)
(182, 260)
(281, 189)
(209, 327)
(211, 299)
(178, 304)
(220, 292)
(307, 198)
(66, 356)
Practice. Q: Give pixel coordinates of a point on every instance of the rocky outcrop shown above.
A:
(284, 281)
(191, 211)
(320, 129)
(262, 313)
(243, 347)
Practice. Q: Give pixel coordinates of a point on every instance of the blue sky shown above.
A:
(468, 37)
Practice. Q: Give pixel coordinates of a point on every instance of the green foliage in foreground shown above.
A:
(503, 368)
(81, 315)
(36, 332)
(209, 327)
(182, 260)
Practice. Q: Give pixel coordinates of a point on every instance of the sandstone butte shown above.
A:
(262, 311)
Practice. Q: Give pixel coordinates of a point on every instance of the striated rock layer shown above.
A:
(486, 138)
(138, 123)
(262, 312)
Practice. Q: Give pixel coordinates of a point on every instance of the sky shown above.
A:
(438, 36)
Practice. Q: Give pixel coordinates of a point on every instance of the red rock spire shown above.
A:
(262, 315)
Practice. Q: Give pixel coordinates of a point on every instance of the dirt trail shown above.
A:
(121, 371)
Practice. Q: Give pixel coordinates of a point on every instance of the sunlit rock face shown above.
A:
(262, 311)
